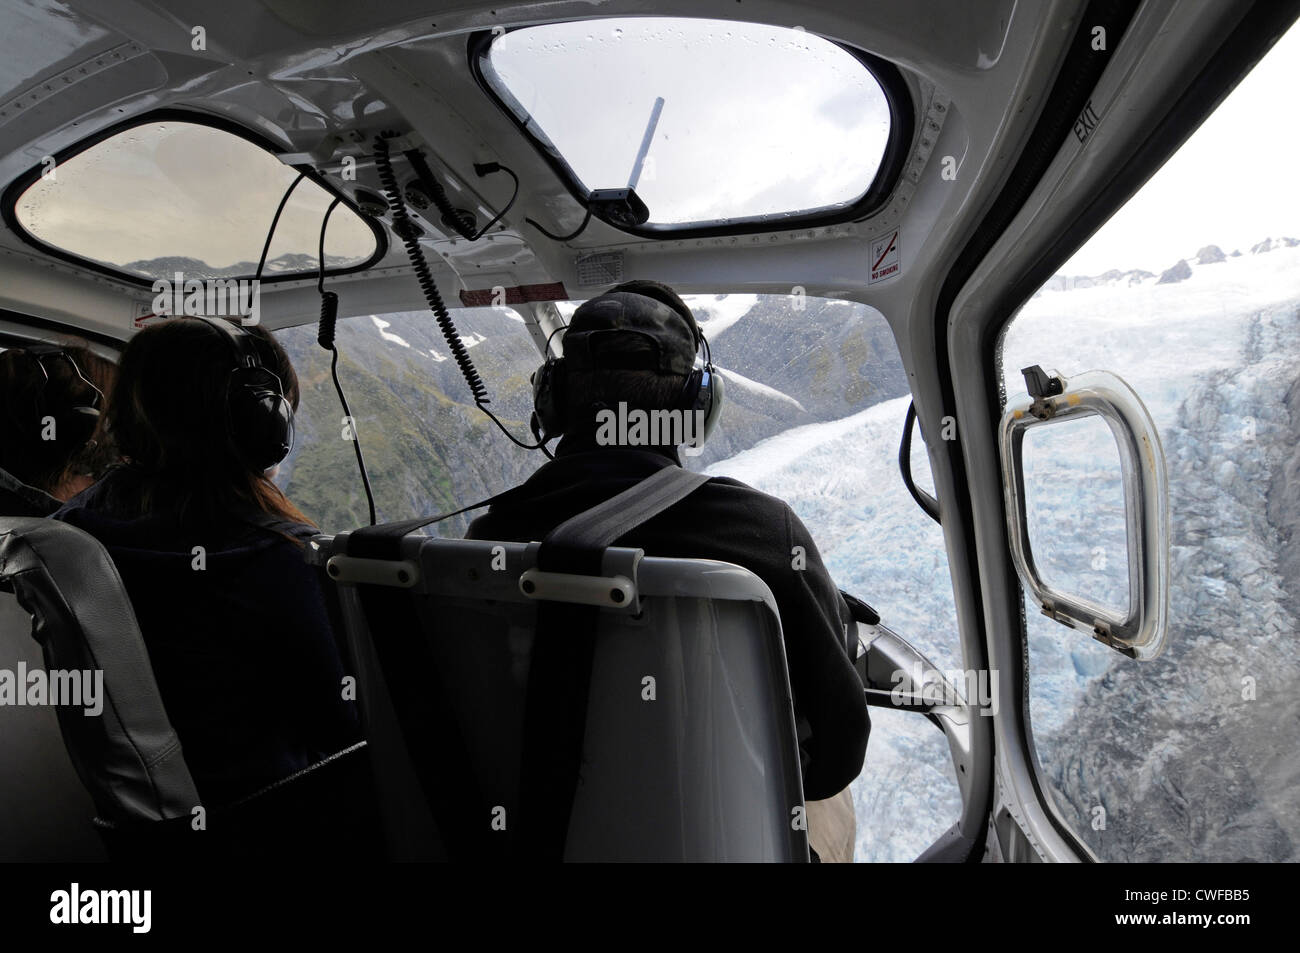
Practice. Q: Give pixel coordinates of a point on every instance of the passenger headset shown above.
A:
(702, 391)
(82, 417)
(259, 417)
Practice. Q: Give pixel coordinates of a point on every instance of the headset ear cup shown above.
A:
(261, 418)
(548, 397)
(702, 398)
(714, 410)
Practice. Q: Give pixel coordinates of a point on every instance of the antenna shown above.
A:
(645, 142)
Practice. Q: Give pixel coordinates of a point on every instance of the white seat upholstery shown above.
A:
(689, 751)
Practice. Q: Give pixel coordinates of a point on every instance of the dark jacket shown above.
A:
(726, 520)
(242, 649)
(19, 499)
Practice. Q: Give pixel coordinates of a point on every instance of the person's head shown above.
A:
(635, 345)
(177, 417)
(52, 398)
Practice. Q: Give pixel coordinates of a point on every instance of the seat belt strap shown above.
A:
(428, 725)
(384, 540)
(577, 544)
(564, 648)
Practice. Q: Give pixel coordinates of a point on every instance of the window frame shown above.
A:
(898, 148)
(15, 189)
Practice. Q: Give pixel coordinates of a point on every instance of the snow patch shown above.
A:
(381, 324)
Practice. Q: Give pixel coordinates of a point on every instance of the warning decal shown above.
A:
(884, 257)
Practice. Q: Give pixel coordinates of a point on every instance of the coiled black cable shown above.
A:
(409, 233)
(329, 316)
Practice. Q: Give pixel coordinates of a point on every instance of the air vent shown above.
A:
(602, 268)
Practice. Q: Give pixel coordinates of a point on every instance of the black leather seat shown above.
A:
(67, 596)
(128, 757)
(45, 812)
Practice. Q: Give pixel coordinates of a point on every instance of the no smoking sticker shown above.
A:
(884, 258)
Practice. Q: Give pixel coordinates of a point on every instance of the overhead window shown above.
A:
(169, 195)
(711, 121)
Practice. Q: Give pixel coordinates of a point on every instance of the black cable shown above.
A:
(487, 168)
(923, 499)
(562, 238)
(329, 313)
(516, 440)
(270, 232)
(320, 275)
(409, 232)
(356, 437)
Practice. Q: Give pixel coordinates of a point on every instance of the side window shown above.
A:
(1080, 454)
(1192, 296)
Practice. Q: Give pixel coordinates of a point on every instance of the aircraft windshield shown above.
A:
(816, 395)
(710, 120)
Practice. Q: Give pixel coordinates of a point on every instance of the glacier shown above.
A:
(1190, 756)
(1183, 761)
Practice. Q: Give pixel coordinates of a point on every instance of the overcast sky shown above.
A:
(789, 120)
(756, 119)
(1235, 182)
(183, 189)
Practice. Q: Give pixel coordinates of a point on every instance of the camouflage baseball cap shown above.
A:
(639, 325)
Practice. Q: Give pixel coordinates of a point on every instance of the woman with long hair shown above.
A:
(211, 554)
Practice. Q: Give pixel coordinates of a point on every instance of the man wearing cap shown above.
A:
(632, 350)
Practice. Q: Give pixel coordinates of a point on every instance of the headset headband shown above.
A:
(39, 352)
(245, 344)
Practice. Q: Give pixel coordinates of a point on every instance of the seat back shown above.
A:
(45, 812)
(689, 750)
(127, 755)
